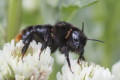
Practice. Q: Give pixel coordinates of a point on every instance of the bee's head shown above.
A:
(78, 40)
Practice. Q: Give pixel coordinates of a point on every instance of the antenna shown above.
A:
(96, 40)
(82, 26)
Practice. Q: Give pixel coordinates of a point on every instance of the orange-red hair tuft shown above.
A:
(18, 37)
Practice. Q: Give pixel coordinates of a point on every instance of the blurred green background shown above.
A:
(101, 19)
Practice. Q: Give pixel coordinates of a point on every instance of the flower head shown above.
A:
(12, 67)
(84, 71)
(116, 70)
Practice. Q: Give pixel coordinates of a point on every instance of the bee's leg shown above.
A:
(26, 44)
(24, 49)
(66, 52)
(44, 45)
(81, 57)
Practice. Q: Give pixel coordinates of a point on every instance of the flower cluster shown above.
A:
(116, 70)
(12, 67)
(31, 68)
(84, 71)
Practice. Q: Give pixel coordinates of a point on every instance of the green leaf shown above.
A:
(69, 7)
(61, 10)
(78, 3)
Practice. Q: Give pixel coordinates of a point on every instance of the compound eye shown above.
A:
(76, 37)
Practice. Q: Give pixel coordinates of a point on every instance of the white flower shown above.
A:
(12, 67)
(116, 70)
(84, 71)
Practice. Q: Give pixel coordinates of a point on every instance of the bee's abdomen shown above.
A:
(23, 34)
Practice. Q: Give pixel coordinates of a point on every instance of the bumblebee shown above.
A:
(63, 36)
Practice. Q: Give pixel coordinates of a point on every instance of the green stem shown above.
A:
(14, 18)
